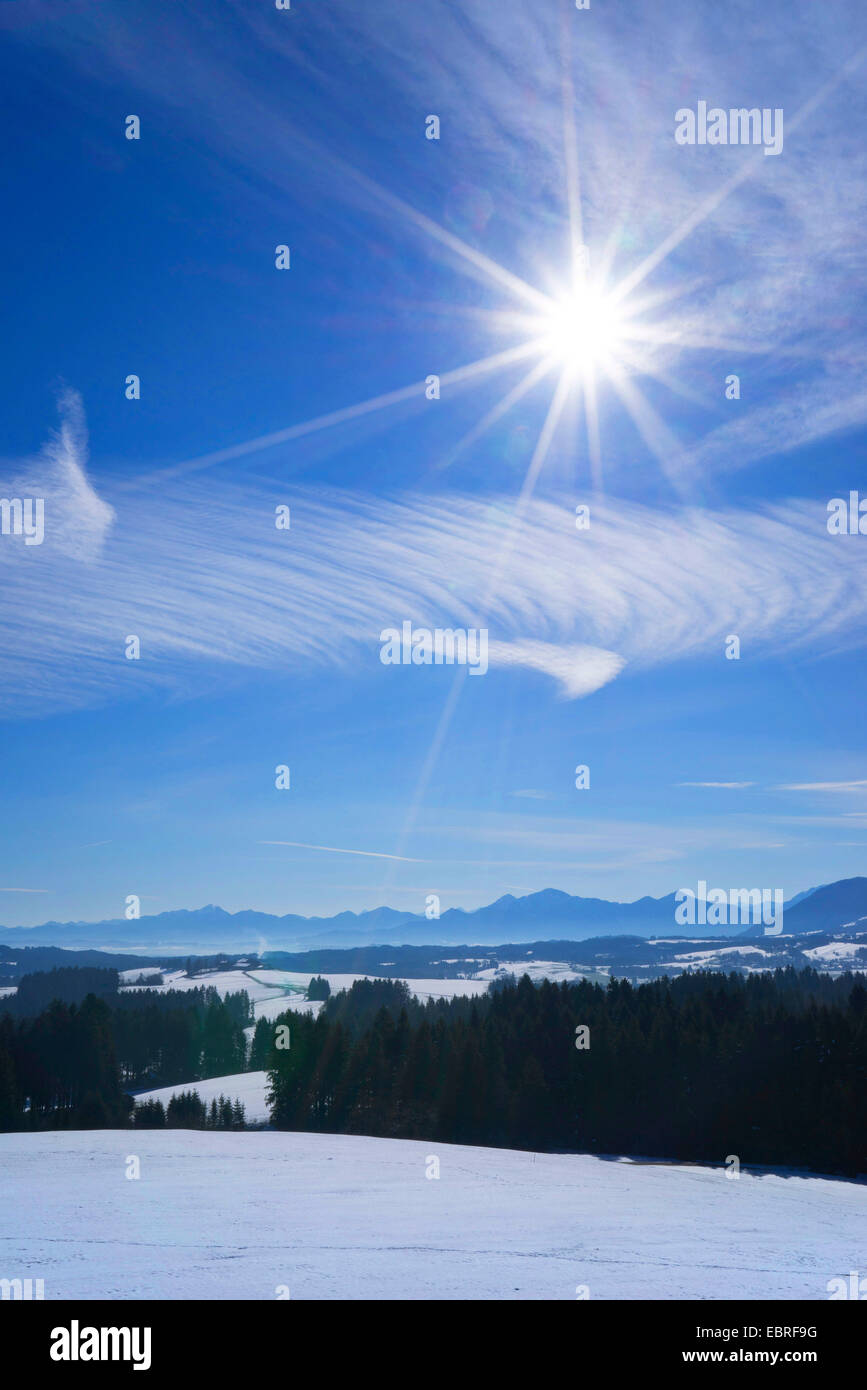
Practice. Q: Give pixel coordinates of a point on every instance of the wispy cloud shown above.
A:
(333, 849)
(855, 786)
(578, 669)
(77, 520)
(630, 842)
(727, 786)
(203, 577)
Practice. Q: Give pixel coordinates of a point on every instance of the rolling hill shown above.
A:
(323, 1216)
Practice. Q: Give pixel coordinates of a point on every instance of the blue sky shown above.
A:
(412, 257)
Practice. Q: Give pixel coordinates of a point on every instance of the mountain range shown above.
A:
(550, 913)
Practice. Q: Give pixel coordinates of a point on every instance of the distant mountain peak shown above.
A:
(548, 914)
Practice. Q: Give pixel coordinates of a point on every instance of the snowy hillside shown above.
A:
(272, 992)
(248, 1087)
(218, 1215)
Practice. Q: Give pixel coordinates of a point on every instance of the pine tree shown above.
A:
(150, 1115)
(260, 1049)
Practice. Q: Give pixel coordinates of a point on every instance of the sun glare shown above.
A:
(583, 330)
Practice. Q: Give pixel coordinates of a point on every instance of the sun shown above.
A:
(582, 330)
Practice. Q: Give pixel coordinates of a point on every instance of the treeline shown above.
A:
(356, 1008)
(205, 965)
(60, 1069)
(70, 1064)
(180, 1035)
(70, 984)
(145, 978)
(771, 1067)
(187, 1110)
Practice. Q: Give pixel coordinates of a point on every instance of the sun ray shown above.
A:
(467, 255)
(543, 444)
(497, 412)
(591, 422)
(522, 502)
(457, 376)
(489, 268)
(657, 436)
(713, 201)
(675, 384)
(570, 154)
(431, 758)
(540, 453)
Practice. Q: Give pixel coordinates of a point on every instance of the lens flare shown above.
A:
(583, 330)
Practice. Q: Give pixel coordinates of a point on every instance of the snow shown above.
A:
(225, 981)
(171, 978)
(146, 972)
(236, 1215)
(249, 1087)
(677, 940)
(719, 951)
(555, 970)
(836, 950)
(423, 989)
(447, 989)
(277, 1004)
(272, 992)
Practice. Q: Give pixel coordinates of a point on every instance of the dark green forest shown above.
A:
(187, 1110)
(771, 1067)
(71, 1063)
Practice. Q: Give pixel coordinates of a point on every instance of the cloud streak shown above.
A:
(206, 581)
(333, 849)
(726, 786)
(855, 786)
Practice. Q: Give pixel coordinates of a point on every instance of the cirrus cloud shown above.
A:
(201, 574)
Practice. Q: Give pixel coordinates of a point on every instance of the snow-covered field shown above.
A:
(423, 989)
(556, 970)
(139, 972)
(272, 992)
(837, 950)
(248, 1087)
(222, 1215)
(225, 981)
(446, 989)
(724, 957)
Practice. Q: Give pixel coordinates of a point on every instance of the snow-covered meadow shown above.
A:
(312, 1216)
(272, 992)
(249, 1087)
